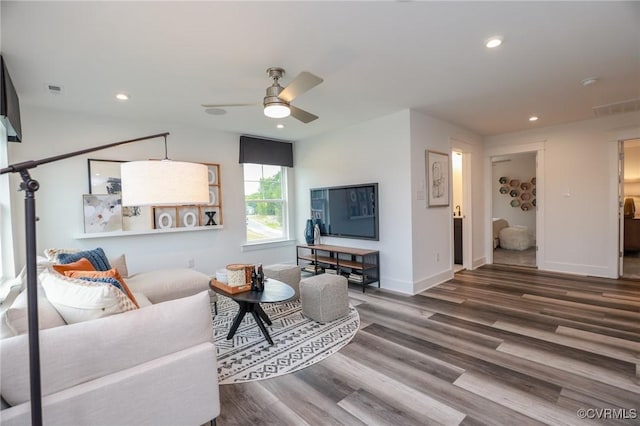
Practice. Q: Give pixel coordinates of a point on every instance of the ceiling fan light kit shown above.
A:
(277, 102)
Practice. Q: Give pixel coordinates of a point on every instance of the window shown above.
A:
(265, 197)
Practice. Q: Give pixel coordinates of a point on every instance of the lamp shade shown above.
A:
(164, 182)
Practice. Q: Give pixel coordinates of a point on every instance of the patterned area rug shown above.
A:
(298, 341)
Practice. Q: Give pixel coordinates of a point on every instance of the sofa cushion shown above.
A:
(79, 265)
(97, 257)
(77, 300)
(167, 284)
(111, 274)
(16, 316)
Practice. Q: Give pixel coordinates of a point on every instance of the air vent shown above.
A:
(54, 89)
(617, 108)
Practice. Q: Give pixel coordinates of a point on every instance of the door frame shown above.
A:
(538, 148)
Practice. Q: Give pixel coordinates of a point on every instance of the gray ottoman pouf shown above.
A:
(289, 274)
(324, 297)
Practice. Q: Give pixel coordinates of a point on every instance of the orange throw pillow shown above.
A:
(79, 265)
(111, 273)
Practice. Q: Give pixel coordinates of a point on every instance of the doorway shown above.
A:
(514, 209)
(457, 197)
(630, 202)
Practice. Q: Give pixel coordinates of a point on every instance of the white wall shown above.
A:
(375, 151)
(432, 229)
(59, 200)
(522, 168)
(580, 172)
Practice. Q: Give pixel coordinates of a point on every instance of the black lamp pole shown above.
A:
(30, 186)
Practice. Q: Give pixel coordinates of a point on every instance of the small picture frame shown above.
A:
(437, 165)
(137, 218)
(102, 212)
(104, 176)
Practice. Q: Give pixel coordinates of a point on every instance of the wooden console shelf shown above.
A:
(359, 266)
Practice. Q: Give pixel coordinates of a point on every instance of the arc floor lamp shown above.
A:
(158, 182)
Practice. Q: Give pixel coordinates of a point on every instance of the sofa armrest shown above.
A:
(167, 284)
(85, 351)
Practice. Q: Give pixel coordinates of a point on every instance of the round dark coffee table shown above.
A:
(249, 301)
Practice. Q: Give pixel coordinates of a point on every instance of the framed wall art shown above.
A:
(437, 165)
(104, 176)
(102, 212)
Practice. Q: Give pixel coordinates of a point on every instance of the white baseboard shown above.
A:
(432, 281)
(578, 269)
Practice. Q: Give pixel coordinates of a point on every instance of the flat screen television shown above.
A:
(349, 211)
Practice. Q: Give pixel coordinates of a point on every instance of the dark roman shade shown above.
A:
(9, 105)
(265, 151)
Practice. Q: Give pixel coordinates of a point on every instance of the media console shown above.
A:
(359, 266)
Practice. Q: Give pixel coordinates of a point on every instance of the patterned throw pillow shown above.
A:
(96, 256)
(112, 276)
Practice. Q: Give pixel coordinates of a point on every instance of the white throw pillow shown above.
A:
(17, 318)
(78, 300)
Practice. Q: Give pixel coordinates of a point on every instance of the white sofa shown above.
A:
(153, 365)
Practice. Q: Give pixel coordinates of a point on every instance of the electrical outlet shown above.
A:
(191, 263)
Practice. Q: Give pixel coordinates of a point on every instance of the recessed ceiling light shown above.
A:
(493, 42)
(280, 126)
(122, 96)
(589, 81)
(533, 118)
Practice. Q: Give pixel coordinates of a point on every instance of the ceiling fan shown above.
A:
(277, 102)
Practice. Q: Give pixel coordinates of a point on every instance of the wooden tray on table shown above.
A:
(228, 289)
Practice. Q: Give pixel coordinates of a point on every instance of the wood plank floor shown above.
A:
(495, 346)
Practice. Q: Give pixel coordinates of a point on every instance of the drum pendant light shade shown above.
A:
(164, 182)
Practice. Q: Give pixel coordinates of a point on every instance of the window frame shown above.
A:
(286, 213)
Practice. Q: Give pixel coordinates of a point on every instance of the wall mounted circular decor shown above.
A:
(515, 203)
(533, 191)
(504, 189)
(514, 193)
(503, 180)
(533, 181)
(525, 186)
(525, 196)
(533, 202)
(526, 206)
(514, 183)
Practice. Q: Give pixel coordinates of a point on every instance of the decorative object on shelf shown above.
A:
(514, 193)
(102, 212)
(188, 216)
(309, 232)
(257, 278)
(437, 165)
(503, 180)
(514, 183)
(208, 216)
(165, 217)
(137, 218)
(504, 189)
(525, 186)
(316, 234)
(526, 206)
(525, 196)
(515, 203)
(236, 276)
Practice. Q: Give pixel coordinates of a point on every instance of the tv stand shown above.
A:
(359, 266)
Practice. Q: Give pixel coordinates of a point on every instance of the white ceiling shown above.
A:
(375, 57)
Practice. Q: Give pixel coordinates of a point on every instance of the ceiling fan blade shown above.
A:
(227, 105)
(302, 115)
(303, 82)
